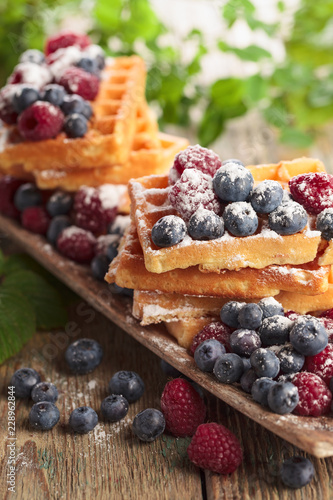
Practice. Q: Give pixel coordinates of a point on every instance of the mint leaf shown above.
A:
(296, 138)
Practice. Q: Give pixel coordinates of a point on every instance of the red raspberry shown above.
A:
(35, 219)
(192, 191)
(314, 191)
(94, 208)
(174, 176)
(8, 188)
(327, 314)
(321, 364)
(66, 39)
(328, 324)
(78, 81)
(216, 330)
(216, 448)
(7, 112)
(199, 158)
(182, 407)
(40, 121)
(292, 315)
(33, 74)
(77, 244)
(314, 395)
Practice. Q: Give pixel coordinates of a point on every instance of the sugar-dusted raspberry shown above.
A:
(314, 395)
(95, 208)
(77, 81)
(35, 219)
(33, 74)
(321, 364)
(66, 39)
(199, 158)
(216, 448)
(292, 315)
(77, 244)
(7, 111)
(8, 187)
(328, 324)
(174, 176)
(327, 314)
(215, 330)
(40, 121)
(192, 191)
(314, 191)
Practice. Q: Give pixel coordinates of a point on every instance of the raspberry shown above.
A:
(327, 314)
(78, 81)
(66, 39)
(314, 395)
(8, 188)
(216, 448)
(77, 244)
(321, 364)
(35, 219)
(192, 191)
(7, 111)
(292, 315)
(31, 73)
(215, 330)
(182, 407)
(94, 209)
(314, 191)
(199, 158)
(328, 324)
(40, 121)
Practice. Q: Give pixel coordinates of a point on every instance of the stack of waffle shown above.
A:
(186, 285)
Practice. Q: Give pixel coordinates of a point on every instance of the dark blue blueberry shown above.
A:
(229, 313)
(324, 223)
(228, 368)
(83, 355)
(114, 407)
(99, 266)
(59, 203)
(24, 97)
(243, 342)
(33, 56)
(87, 110)
(247, 380)
(44, 391)
(308, 335)
(297, 472)
(119, 225)
(265, 363)
(266, 196)
(260, 389)
(233, 160)
(288, 219)
(128, 384)
(27, 195)
(170, 370)
(240, 219)
(148, 424)
(283, 397)
(112, 251)
(275, 330)
(57, 225)
(88, 64)
(291, 361)
(207, 353)
(83, 419)
(286, 198)
(118, 290)
(250, 316)
(168, 231)
(43, 416)
(233, 182)
(270, 307)
(205, 225)
(72, 103)
(24, 380)
(75, 125)
(100, 61)
(54, 94)
(246, 363)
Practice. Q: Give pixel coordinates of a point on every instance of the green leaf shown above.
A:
(256, 88)
(227, 92)
(251, 53)
(296, 138)
(211, 126)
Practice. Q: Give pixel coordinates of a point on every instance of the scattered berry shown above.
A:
(324, 223)
(40, 121)
(247, 380)
(44, 391)
(114, 407)
(24, 380)
(308, 335)
(8, 187)
(24, 97)
(288, 219)
(243, 342)
(94, 208)
(148, 424)
(168, 231)
(250, 316)
(205, 225)
(240, 219)
(228, 368)
(314, 395)
(54, 94)
(275, 330)
(321, 364)
(207, 353)
(128, 384)
(78, 81)
(265, 363)
(313, 190)
(270, 307)
(233, 182)
(215, 330)
(282, 397)
(59, 203)
(198, 158)
(83, 356)
(56, 227)
(291, 361)
(33, 56)
(99, 267)
(260, 388)
(83, 419)
(229, 313)
(66, 39)
(266, 196)
(35, 219)
(75, 125)
(77, 244)
(27, 195)
(44, 416)
(297, 472)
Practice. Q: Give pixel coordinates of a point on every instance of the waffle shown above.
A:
(185, 330)
(111, 130)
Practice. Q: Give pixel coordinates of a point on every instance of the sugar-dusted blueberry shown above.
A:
(240, 219)
(246, 363)
(83, 355)
(75, 125)
(27, 195)
(275, 330)
(283, 397)
(33, 56)
(270, 307)
(127, 383)
(56, 226)
(44, 391)
(83, 419)
(24, 380)
(43, 416)
(119, 225)
(260, 388)
(265, 363)
(291, 361)
(228, 368)
(205, 225)
(233, 160)
(250, 316)
(233, 182)
(148, 424)
(243, 342)
(247, 380)
(266, 196)
(54, 94)
(99, 266)
(229, 313)
(88, 64)
(297, 472)
(324, 223)
(24, 97)
(72, 103)
(60, 203)
(288, 219)
(207, 353)
(308, 335)
(168, 231)
(114, 407)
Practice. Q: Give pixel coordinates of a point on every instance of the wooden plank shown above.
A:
(310, 434)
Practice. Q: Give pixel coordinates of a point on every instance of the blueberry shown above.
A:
(127, 383)
(99, 267)
(250, 316)
(243, 342)
(288, 219)
(148, 424)
(72, 103)
(233, 182)
(205, 225)
(114, 407)
(24, 380)
(56, 226)
(291, 361)
(266, 196)
(88, 64)
(119, 225)
(265, 363)
(83, 419)
(283, 397)
(32, 55)
(54, 94)
(297, 472)
(170, 370)
(324, 223)
(27, 195)
(207, 353)
(118, 290)
(44, 416)
(112, 251)
(240, 219)
(308, 335)
(228, 368)
(75, 125)
(24, 97)
(233, 160)
(260, 389)
(275, 330)
(247, 380)
(87, 110)
(100, 62)
(229, 313)
(246, 363)
(59, 203)
(44, 391)
(270, 307)
(286, 198)
(168, 231)
(83, 355)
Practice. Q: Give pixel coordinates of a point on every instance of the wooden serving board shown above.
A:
(313, 435)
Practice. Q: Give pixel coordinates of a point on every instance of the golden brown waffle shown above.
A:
(185, 330)
(285, 170)
(111, 130)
